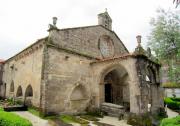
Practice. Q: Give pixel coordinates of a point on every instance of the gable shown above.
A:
(95, 41)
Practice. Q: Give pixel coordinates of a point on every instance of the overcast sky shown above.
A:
(22, 22)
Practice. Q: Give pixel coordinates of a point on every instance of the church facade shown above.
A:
(85, 67)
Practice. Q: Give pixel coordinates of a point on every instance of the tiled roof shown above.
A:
(123, 56)
(1, 61)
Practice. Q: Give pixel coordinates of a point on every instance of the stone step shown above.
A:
(112, 109)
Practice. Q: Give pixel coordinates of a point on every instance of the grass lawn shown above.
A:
(63, 118)
(34, 111)
(11, 119)
(82, 119)
(171, 121)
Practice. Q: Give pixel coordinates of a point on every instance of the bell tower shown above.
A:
(105, 20)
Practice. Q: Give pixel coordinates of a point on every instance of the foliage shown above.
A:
(176, 99)
(11, 119)
(171, 122)
(139, 120)
(177, 2)
(172, 103)
(1, 109)
(171, 85)
(164, 40)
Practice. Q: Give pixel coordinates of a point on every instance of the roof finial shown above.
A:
(138, 37)
(105, 9)
(54, 21)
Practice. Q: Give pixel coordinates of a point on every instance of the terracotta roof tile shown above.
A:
(1, 61)
(123, 56)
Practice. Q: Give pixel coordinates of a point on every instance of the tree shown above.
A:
(177, 2)
(164, 40)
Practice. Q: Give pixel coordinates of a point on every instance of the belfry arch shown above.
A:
(114, 86)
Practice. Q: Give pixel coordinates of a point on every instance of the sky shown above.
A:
(22, 22)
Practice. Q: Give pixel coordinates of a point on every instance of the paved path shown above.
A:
(108, 120)
(113, 121)
(171, 113)
(35, 120)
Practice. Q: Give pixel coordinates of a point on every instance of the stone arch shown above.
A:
(151, 73)
(12, 86)
(78, 93)
(110, 68)
(19, 92)
(29, 91)
(78, 98)
(114, 85)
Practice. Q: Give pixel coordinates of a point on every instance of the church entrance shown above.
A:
(115, 87)
(108, 93)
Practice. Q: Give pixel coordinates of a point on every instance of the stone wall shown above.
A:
(22, 70)
(151, 92)
(67, 79)
(102, 68)
(2, 90)
(85, 40)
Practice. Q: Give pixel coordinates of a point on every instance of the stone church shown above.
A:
(75, 69)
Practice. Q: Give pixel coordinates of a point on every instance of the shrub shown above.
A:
(171, 122)
(1, 109)
(11, 119)
(176, 99)
(172, 103)
(171, 85)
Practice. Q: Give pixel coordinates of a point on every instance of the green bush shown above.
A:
(1, 109)
(11, 119)
(171, 85)
(176, 99)
(171, 122)
(172, 103)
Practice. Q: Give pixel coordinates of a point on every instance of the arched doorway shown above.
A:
(28, 95)
(29, 91)
(19, 92)
(114, 87)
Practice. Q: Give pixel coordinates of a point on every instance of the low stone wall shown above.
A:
(112, 109)
(169, 92)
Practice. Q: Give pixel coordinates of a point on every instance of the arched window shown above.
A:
(19, 92)
(29, 91)
(151, 75)
(12, 86)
